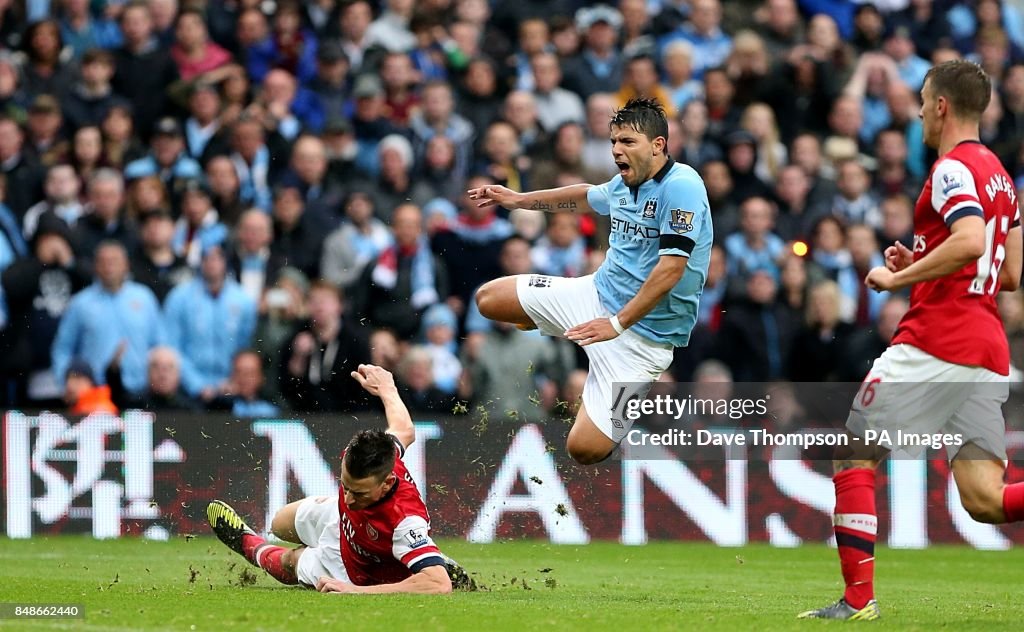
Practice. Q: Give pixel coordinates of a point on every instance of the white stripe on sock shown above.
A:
(865, 523)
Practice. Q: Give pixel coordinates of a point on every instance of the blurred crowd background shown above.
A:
(230, 205)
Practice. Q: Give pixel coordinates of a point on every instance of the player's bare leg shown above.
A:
(979, 477)
(499, 300)
(283, 523)
(586, 444)
(855, 524)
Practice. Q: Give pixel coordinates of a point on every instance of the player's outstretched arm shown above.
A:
(1009, 274)
(569, 198)
(432, 580)
(965, 244)
(380, 383)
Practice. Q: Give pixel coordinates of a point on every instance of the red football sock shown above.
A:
(856, 524)
(250, 543)
(1013, 502)
(269, 559)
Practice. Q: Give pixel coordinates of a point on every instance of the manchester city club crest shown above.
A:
(681, 221)
(650, 208)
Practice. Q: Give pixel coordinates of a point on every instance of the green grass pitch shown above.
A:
(196, 584)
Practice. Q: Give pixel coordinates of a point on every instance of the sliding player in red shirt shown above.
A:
(374, 537)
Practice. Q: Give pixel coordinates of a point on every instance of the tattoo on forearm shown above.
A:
(569, 205)
(540, 206)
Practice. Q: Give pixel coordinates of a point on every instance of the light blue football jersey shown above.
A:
(667, 215)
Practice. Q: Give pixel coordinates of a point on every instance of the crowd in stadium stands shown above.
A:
(229, 205)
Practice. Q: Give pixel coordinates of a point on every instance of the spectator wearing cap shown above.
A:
(167, 158)
(316, 361)
(249, 257)
(243, 393)
(37, 288)
(703, 29)
(330, 84)
(62, 200)
(104, 218)
(199, 227)
(357, 242)
(555, 105)
(81, 393)
(163, 391)
(404, 280)
(298, 234)
(342, 152)
(22, 172)
(598, 66)
(144, 68)
(110, 311)
(82, 32)
(437, 117)
(204, 134)
(154, 263)
(44, 137)
(369, 121)
(208, 320)
(89, 99)
(192, 51)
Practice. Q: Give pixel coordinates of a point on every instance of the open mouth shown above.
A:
(623, 168)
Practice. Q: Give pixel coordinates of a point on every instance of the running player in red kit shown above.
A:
(374, 537)
(949, 356)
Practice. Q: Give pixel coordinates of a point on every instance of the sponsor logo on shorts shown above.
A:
(416, 538)
(681, 221)
(540, 280)
(650, 208)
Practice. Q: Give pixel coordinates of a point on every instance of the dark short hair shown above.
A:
(646, 116)
(370, 453)
(964, 84)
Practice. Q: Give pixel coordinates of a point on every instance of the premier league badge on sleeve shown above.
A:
(681, 221)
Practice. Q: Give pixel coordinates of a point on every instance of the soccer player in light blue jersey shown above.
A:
(642, 302)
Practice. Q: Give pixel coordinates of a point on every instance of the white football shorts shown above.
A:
(317, 523)
(912, 394)
(557, 304)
